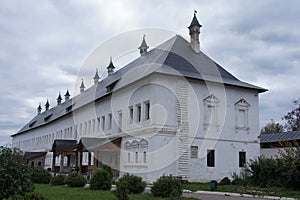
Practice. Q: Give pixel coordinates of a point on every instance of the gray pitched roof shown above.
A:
(173, 57)
(31, 155)
(280, 137)
(61, 145)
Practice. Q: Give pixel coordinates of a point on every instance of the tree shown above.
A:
(272, 127)
(293, 118)
(15, 176)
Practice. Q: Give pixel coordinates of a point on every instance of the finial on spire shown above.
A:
(82, 86)
(143, 48)
(96, 77)
(67, 95)
(111, 67)
(194, 33)
(47, 105)
(39, 109)
(59, 99)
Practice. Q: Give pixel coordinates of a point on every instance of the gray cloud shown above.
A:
(44, 43)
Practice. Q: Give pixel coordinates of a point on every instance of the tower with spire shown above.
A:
(82, 86)
(59, 99)
(194, 30)
(47, 105)
(67, 95)
(96, 77)
(39, 109)
(144, 47)
(110, 68)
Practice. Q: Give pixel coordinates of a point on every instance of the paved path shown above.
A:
(208, 195)
(218, 197)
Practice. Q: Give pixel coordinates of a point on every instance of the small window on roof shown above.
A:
(69, 108)
(47, 118)
(31, 125)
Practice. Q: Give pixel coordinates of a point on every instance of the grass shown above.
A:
(68, 193)
(273, 191)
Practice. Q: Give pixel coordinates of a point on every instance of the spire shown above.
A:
(39, 109)
(110, 68)
(59, 99)
(67, 95)
(194, 33)
(143, 48)
(96, 77)
(47, 105)
(82, 86)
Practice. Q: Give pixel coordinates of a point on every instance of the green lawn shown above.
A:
(274, 191)
(68, 193)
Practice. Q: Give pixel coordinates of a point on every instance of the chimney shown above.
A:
(194, 29)
(110, 68)
(143, 48)
(39, 109)
(67, 95)
(47, 105)
(59, 99)
(82, 86)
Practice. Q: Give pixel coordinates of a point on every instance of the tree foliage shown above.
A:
(15, 176)
(272, 127)
(292, 118)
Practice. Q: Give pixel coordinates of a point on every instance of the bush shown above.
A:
(58, 180)
(136, 185)
(30, 196)
(101, 180)
(40, 175)
(14, 175)
(75, 180)
(225, 181)
(262, 172)
(108, 169)
(122, 190)
(163, 187)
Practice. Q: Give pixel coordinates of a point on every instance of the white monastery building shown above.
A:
(172, 111)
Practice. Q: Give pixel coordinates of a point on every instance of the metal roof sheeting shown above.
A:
(280, 137)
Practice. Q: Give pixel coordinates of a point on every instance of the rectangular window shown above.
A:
(98, 124)
(242, 159)
(241, 118)
(194, 151)
(130, 114)
(147, 110)
(93, 125)
(138, 112)
(120, 122)
(103, 123)
(210, 158)
(109, 121)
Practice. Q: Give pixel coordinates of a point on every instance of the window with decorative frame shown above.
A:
(241, 114)
(211, 108)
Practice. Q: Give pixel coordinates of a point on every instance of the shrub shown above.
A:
(135, 184)
(122, 190)
(101, 180)
(262, 172)
(14, 176)
(163, 187)
(30, 196)
(58, 180)
(40, 175)
(225, 181)
(108, 169)
(75, 180)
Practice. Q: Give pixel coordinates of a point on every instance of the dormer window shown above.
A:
(47, 118)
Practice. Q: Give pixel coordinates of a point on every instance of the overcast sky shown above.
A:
(44, 43)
